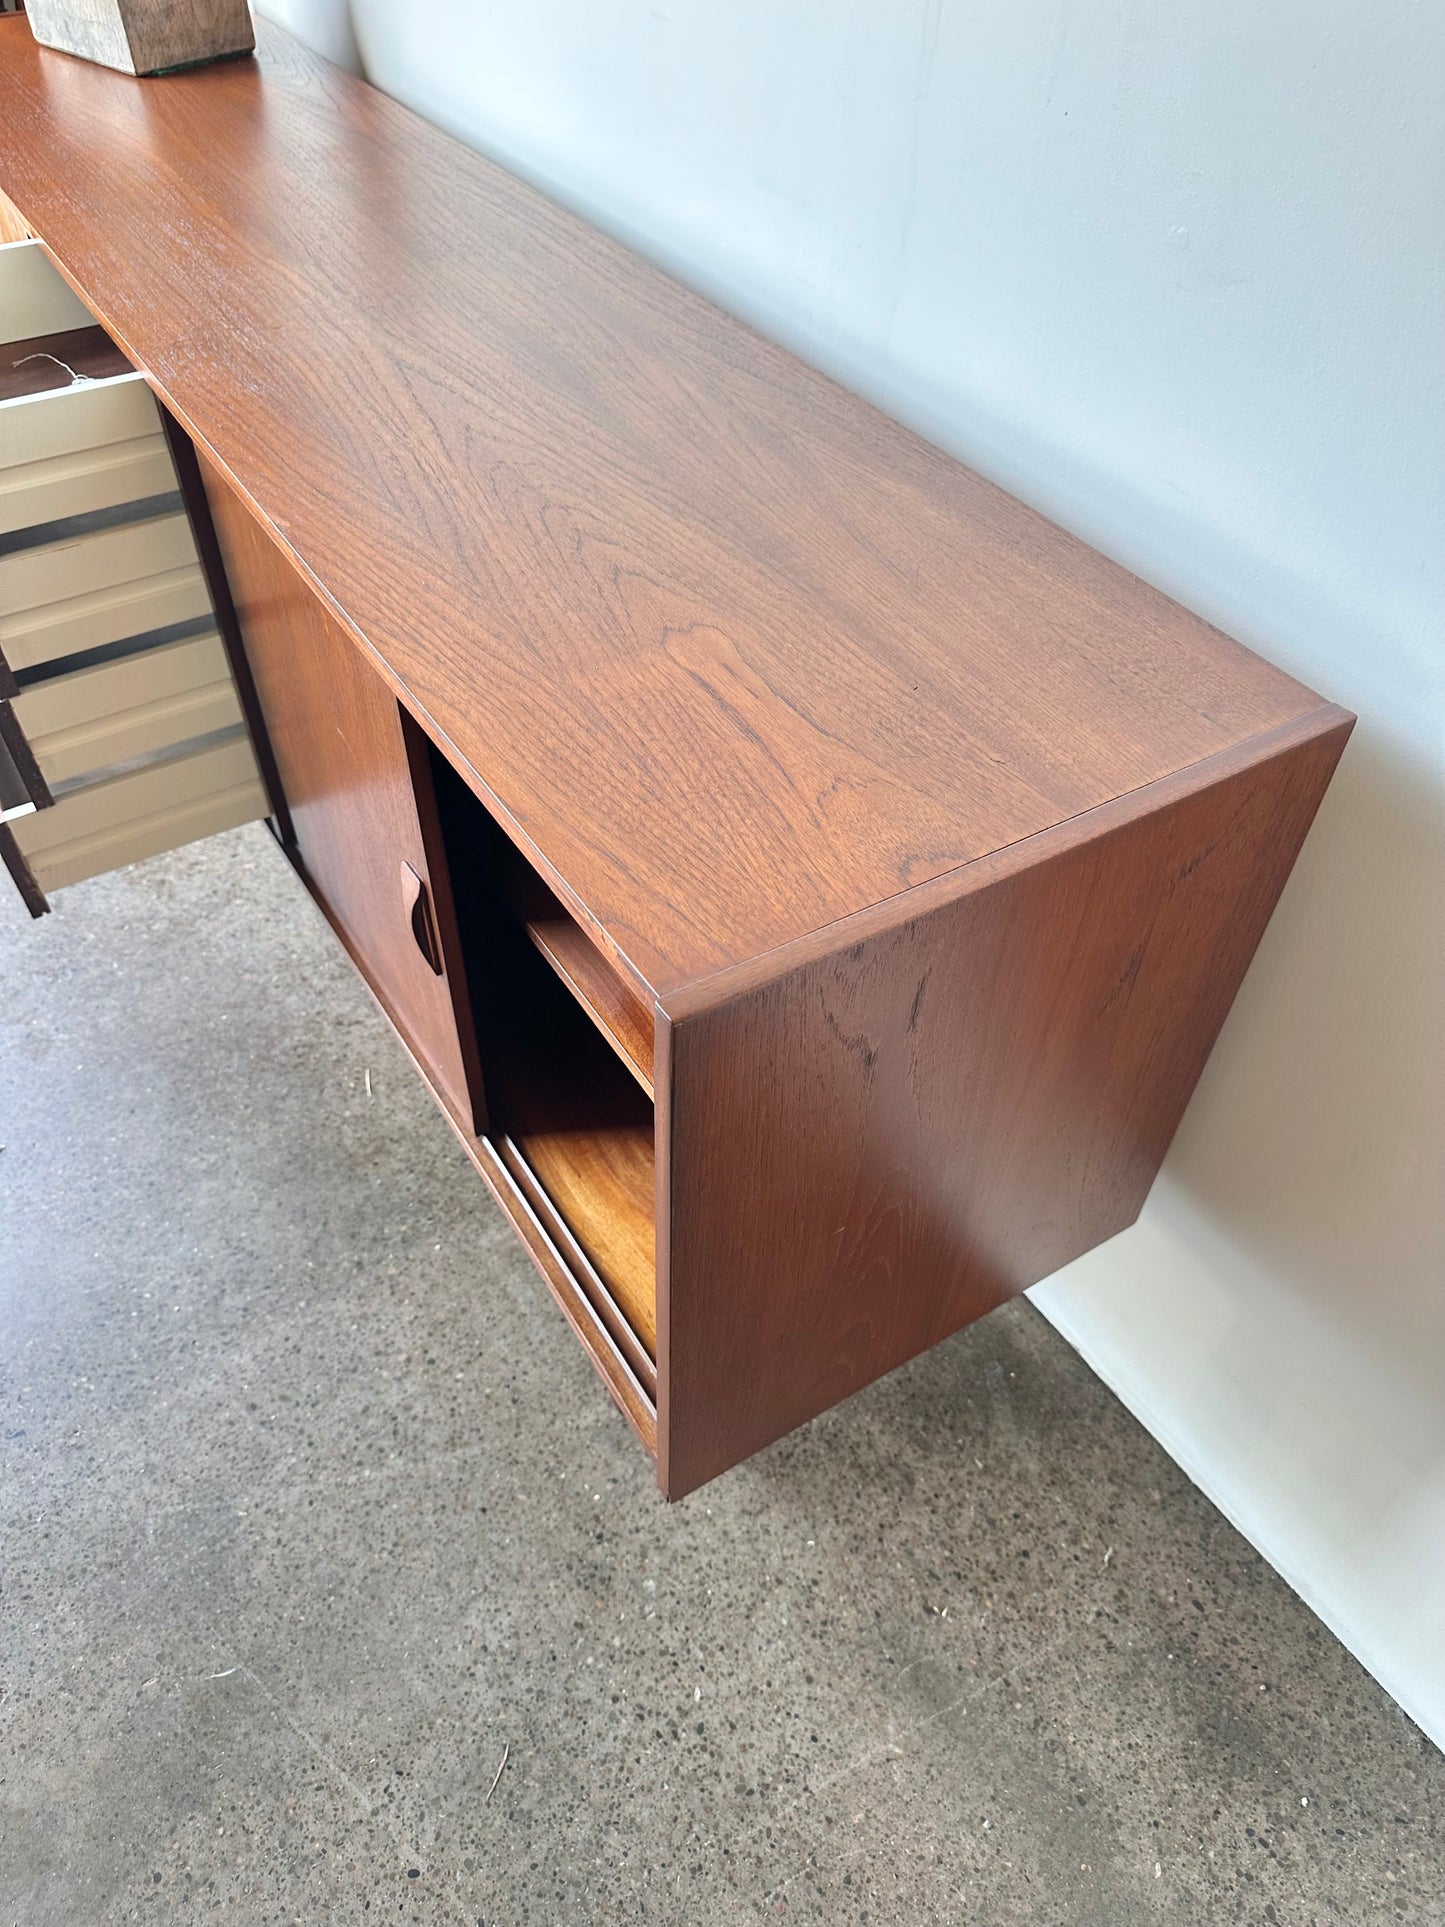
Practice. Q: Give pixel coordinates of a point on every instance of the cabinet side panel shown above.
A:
(871, 1152)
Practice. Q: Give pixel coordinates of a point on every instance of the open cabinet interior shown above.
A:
(61, 358)
(566, 1055)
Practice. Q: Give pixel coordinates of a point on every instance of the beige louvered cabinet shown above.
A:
(121, 729)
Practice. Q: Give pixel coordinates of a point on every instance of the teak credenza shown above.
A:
(810, 882)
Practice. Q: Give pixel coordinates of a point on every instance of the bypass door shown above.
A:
(358, 790)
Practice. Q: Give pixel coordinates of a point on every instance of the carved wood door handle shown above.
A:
(417, 899)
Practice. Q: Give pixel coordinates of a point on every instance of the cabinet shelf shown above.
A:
(585, 1132)
(613, 1006)
(566, 1058)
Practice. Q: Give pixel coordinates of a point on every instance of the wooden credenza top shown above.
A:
(730, 653)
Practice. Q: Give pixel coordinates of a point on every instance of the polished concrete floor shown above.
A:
(314, 1516)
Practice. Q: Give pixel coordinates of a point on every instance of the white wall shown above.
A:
(323, 24)
(1173, 274)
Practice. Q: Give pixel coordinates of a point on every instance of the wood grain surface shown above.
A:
(92, 29)
(883, 1144)
(623, 1369)
(929, 847)
(732, 653)
(144, 36)
(336, 735)
(597, 1168)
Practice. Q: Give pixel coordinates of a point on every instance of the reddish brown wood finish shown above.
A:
(593, 1155)
(734, 653)
(552, 1248)
(622, 1332)
(336, 734)
(937, 843)
(885, 1142)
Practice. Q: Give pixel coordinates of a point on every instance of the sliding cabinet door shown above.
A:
(359, 796)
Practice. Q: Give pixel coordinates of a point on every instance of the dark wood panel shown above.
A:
(885, 1143)
(43, 362)
(335, 731)
(731, 652)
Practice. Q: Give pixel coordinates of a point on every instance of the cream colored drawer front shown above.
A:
(147, 749)
(100, 588)
(88, 563)
(75, 450)
(34, 297)
(142, 813)
(95, 718)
